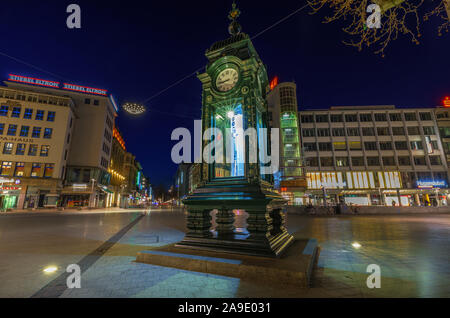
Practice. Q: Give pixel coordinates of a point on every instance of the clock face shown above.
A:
(227, 79)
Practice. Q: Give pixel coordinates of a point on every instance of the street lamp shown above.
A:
(92, 193)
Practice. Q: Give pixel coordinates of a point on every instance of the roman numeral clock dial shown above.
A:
(227, 79)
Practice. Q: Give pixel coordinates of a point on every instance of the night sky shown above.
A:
(135, 49)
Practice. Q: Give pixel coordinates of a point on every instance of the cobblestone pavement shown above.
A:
(412, 251)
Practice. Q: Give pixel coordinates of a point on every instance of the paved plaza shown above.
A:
(413, 253)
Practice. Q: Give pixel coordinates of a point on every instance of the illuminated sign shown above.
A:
(33, 81)
(84, 89)
(446, 101)
(274, 83)
(427, 184)
(113, 101)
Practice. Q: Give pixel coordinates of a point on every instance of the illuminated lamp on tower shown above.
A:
(134, 108)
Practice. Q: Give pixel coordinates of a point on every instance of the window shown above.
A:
(12, 130)
(6, 168)
(20, 169)
(68, 138)
(389, 161)
(368, 131)
(310, 146)
(96, 102)
(325, 146)
(435, 160)
(44, 150)
(373, 161)
(370, 145)
(338, 132)
(341, 162)
(386, 145)
(428, 130)
(4, 110)
(36, 132)
(340, 145)
(326, 161)
(404, 160)
(380, 117)
(321, 118)
(395, 117)
(20, 150)
(419, 161)
(51, 116)
(48, 170)
(383, 131)
(351, 118)
(310, 132)
(16, 112)
(410, 117)
(8, 148)
(353, 131)
(365, 117)
(401, 145)
(413, 130)
(425, 116)
(28, 113)
(32, 150)
(87, 101)
(416, 145)
(39, 115)
(48, 133)
(2, 127)
(355, 145)
(24, 131)
(307, 118)
(36, 170)
(358, 161)
(398, 131)
(335, 118)
(323, 132)
(312, 162)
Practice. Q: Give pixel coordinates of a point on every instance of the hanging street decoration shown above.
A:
(134, 108)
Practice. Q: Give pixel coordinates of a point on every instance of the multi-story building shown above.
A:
(374, 155)
(35, 130)
(117, 167)
(87, 137)
(283, 114)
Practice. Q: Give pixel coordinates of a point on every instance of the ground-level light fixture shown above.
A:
(356, 245)
(134, 108)
(50, 269)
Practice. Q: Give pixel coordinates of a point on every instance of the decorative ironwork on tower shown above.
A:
(234, 28)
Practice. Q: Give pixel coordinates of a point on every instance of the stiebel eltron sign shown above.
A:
(53, 84)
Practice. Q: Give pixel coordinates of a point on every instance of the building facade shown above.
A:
(283, 114)
(374, 155)
(117, 169)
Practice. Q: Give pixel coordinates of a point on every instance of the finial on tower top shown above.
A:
(235, 27)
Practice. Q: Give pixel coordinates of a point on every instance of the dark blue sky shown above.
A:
(137, 48)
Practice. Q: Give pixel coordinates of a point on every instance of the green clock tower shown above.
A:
(235, 86)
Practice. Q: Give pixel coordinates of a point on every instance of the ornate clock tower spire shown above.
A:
(235, 27)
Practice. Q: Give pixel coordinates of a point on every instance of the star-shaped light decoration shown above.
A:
(134, 108)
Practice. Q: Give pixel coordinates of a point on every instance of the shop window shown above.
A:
(16, 112)
(20, 150)
(39, 115)
(32, 150)
(7, 148)
(4, 110)
(12, 130)
(36, 132)
(6, 168)
(24, 131)
(20, 169)
(28, 113)
(44, 150)
(36, 170)
(48, 171)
